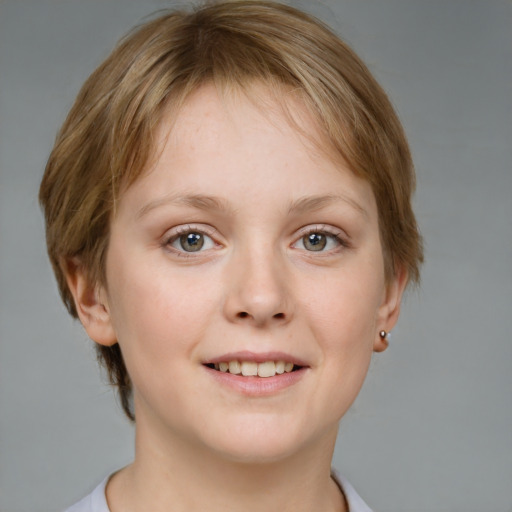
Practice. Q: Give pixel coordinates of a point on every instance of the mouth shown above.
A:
(263, 369)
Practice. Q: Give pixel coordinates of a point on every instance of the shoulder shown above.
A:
(94, 502)
(355, 502)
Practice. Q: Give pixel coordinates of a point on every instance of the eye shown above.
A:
(319, 241)
(191, 241)
(314, 241)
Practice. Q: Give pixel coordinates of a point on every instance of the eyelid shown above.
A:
(338, 234)
(174, 233)
(195, 228)
(325, 229)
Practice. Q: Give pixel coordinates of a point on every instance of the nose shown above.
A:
(258, 290)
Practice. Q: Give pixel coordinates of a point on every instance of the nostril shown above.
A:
(245, 314)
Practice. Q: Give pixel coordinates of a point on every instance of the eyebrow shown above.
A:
(211, 203)
(202, 202)
(314, 203)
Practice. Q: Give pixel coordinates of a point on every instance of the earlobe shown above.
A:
(90, 303)
(389, 310)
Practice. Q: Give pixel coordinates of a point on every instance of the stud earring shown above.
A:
(384, 335)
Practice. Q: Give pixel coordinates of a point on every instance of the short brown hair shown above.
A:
(108, 136)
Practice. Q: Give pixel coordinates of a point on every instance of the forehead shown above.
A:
(281, 106)
(221, 141)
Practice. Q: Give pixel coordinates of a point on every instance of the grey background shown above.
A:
(432, 428)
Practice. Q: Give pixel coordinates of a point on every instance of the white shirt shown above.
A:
(97, 501)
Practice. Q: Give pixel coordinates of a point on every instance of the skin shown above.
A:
(255, 286)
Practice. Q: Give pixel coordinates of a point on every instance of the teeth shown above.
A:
(252, 369)
(267, 369)
(234, 367)
(249, 369)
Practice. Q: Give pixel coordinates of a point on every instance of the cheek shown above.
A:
(344, 319)
(157, 312)
(347, 302)
(342, 312)
(159, 323)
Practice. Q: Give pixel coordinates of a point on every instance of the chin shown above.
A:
(261, 442)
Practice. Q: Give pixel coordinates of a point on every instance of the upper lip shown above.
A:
(256, 357)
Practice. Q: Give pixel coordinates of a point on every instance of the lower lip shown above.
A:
(257, 386)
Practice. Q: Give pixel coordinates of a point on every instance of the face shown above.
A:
(245, 283)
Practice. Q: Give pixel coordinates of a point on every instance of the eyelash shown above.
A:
(337, 236)
(184, 230)
(340, 240)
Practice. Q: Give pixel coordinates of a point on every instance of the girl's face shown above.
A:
(245, 248)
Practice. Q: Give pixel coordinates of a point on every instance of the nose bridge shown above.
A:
(257, 291)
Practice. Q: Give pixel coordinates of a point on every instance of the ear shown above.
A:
(90, 302)
(389, 310)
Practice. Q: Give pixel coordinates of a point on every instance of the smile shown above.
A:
(254, 369)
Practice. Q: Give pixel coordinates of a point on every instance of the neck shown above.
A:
(181, 477)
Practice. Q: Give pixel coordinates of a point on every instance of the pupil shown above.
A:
(192, 242)
(315, 241)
